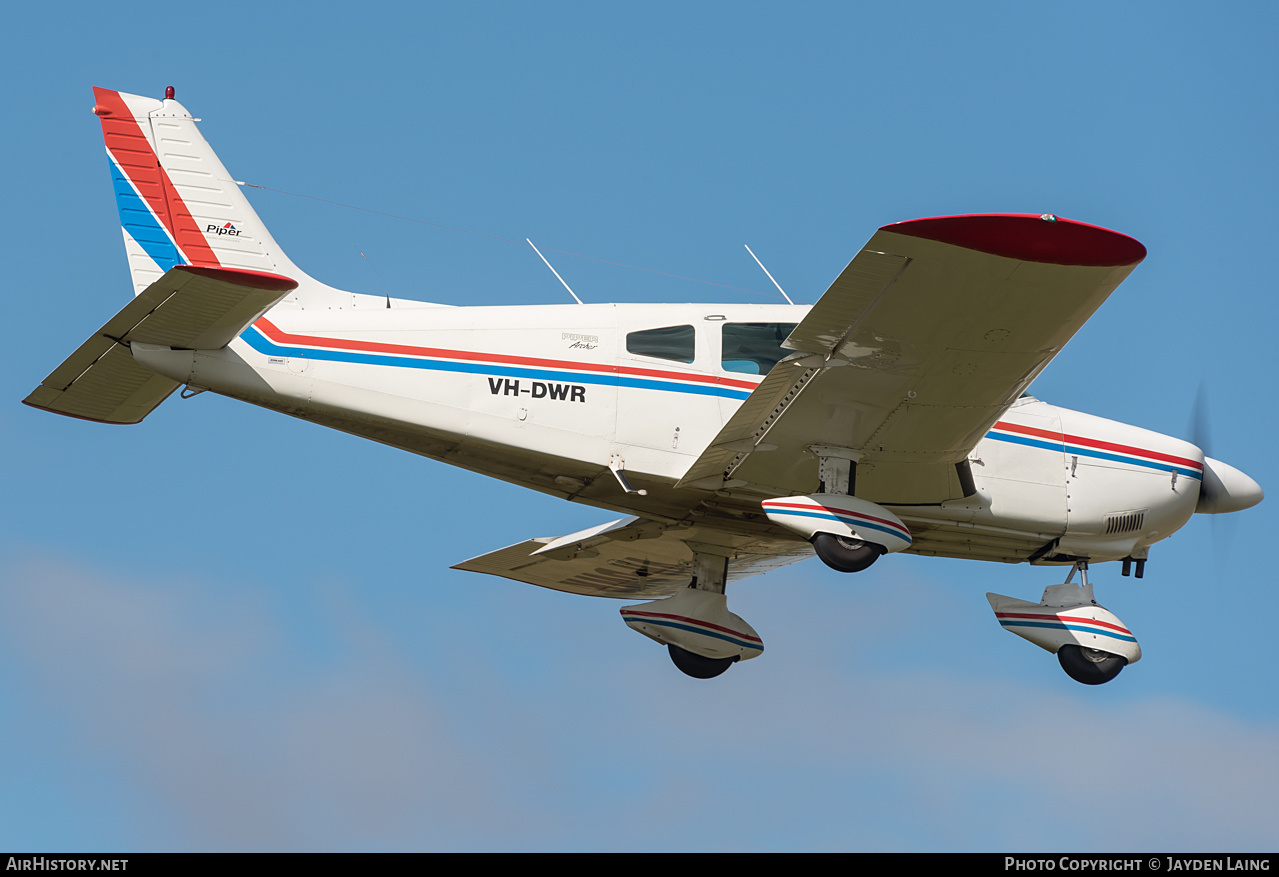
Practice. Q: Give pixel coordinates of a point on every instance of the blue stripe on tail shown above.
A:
(141, 224)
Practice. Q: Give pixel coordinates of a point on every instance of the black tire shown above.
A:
(845, 554)
(697, 666)
(1090, 666)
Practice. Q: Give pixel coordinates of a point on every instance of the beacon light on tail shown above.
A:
(891, 416)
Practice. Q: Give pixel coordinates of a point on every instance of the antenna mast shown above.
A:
(770, 276)
(557, 274)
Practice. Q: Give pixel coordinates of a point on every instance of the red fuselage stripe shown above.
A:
(280, 337)
(1064, 438)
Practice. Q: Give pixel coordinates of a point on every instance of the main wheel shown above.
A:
(845, 554)
(1090, 666)
(697, 666)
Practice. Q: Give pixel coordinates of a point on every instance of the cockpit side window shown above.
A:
(675, 343)
(754, 348)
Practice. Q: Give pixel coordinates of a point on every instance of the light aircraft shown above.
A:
(890, 416)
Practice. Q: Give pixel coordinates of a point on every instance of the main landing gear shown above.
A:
(1091, 643)
(697, 666)
(847, 532)
(703, 638)
(846, 553)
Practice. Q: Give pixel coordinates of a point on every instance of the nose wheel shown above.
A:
(1090, 666)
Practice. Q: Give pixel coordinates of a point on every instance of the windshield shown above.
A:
(754, 348)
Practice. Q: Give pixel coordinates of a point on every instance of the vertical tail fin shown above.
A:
(178, 205)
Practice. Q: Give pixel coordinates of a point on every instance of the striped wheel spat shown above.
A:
(683, 622)
(856, 520)
(1065, 622)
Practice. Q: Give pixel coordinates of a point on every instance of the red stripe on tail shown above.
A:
(132, 151)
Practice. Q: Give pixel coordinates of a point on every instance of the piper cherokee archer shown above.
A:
(890, 416)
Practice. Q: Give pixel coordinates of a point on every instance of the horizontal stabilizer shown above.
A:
(190, 308)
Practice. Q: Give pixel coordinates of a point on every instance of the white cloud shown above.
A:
(242, 727)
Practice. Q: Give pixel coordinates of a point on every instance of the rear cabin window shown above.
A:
(754, 348)
(671, 342)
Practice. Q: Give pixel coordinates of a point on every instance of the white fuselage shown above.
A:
(550, 396)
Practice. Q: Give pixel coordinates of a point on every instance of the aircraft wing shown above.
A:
(190, 307)
(919, 345)
(631, 558)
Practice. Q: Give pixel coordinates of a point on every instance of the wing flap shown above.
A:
(192, 308)
(748, 425)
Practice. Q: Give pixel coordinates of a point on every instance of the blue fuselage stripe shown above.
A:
(262, 344)
(1089, 452)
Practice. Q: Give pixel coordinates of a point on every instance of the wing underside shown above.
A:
(631, 558)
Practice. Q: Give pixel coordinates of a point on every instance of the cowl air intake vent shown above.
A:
(1125, 522)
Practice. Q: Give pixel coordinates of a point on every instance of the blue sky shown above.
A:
(224, 629)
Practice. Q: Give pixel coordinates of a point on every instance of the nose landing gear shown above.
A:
(1091, 643)
(1089, 666)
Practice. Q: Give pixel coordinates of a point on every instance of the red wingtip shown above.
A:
(1029, 237)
